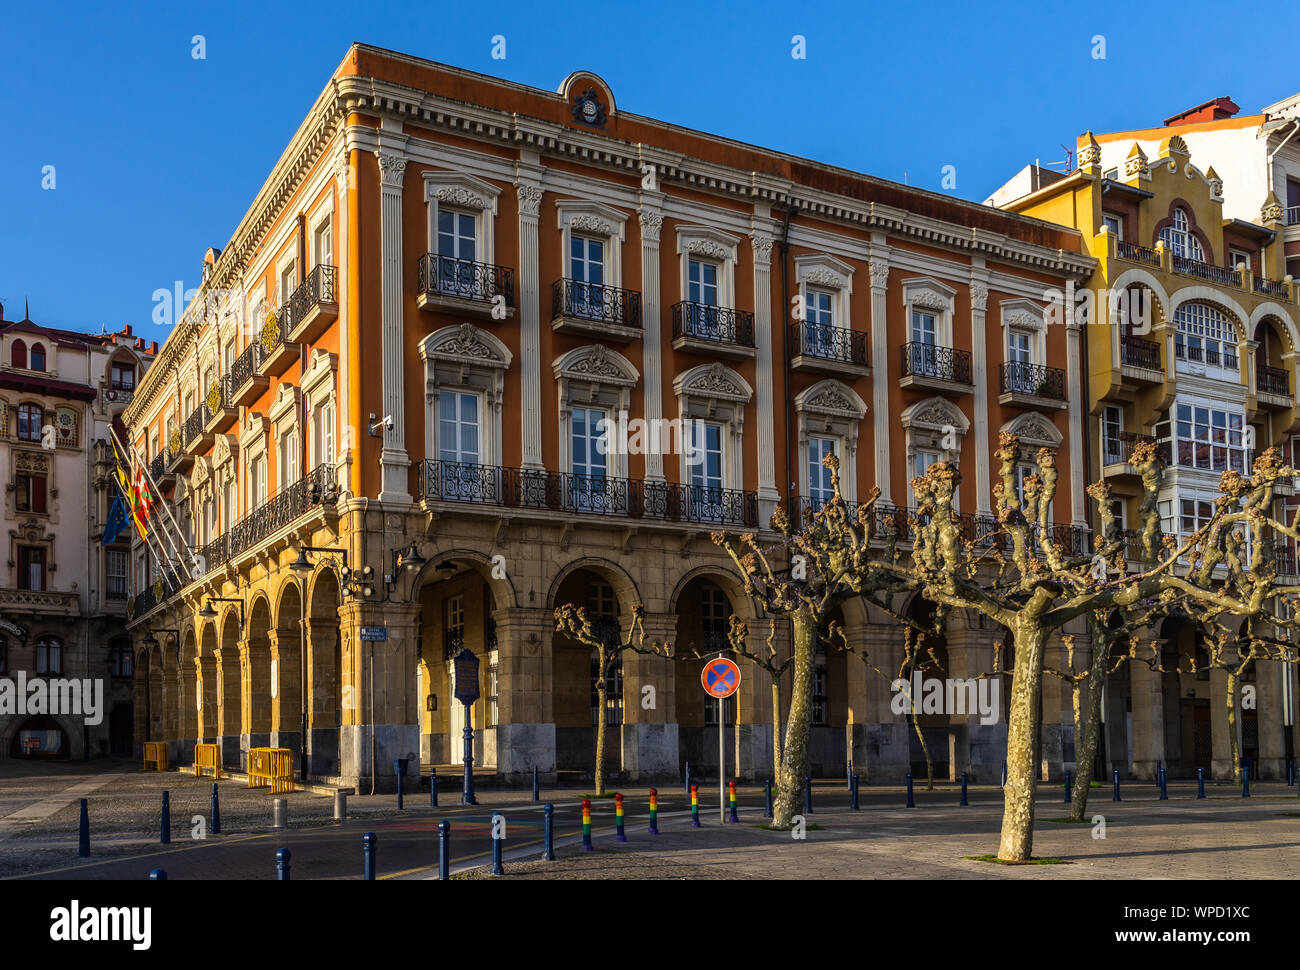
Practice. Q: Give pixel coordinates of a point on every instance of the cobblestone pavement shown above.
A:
(1221, 837)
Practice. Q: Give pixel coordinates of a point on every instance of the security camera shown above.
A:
(385, 424)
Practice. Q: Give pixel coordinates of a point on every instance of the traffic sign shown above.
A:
(721, 677)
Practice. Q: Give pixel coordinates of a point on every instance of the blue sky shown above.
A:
(157, 155)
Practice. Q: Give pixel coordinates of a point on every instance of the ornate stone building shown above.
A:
(413, 408)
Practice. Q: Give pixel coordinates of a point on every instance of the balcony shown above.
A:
(213, 555)
(222, 412)
(1140, 359)
(820, 349)
(39, 602)
(179, 459)
(1273, 387)
(162, 476)
(155, 594)
(464, 286)
(1137, 254)
(595, 310)
(1117, 453)
(496, 487)
(276, 354)
(246, 381)
(927, 367)
(1208, 356)
(316, 490)
(982, 531)
(313, 306)
(1221, 275)
(1032, 385)
(713, 330)
(194, 434)
(116, 394)
(1273, 288)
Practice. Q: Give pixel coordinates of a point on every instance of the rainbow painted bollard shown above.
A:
(695, 806)
(654, 811)
(586, 825)
(619, 834)
(731, 798)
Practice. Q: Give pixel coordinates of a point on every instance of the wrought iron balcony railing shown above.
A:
(244, 369)
(119, 394)
(1035, 379)
(464, 279)
(450, 481)
(941, 363)
(596, 303)
(194, 424)
(829, 343)
(158, 465)
(1136, 352)
(1270, 287)
(1205, 355)
(316, 289)
(1272, 380)
(1293, 215)
(1207, 271)
(714, 323)
(1136, 253)
(282, 509)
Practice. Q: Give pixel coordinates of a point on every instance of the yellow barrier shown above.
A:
(155, 753)
(207, 757)
(270, 767)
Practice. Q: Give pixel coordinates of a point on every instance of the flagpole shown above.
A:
(162, 560)
(134, 455)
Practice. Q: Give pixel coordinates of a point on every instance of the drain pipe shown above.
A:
(784, 250)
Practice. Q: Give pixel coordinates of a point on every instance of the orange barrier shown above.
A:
(155, 753)
(207, 757)
(270, 767)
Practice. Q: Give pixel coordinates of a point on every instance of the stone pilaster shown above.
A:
(879, 265)
(1268, 709)
(652, 221)
(286, 691)
(322, 697)
(761, 243)
(1077, 405)
(649, 728)
(979, 299)
(525, 722)
(393, 460)
(529, 192)
(229, 713)
(1148, 721)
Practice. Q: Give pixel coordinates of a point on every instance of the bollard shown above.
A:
(496, 847)
(1200, 782)
(1116, 796)
(963, 789)
(1164, 790)
(619, 834)
(654, 811)
(537, 795)
(688, 777)
(1290, 773)
(83, 835)
(695, 807)
(1004, 772)
(807, 795)
(853, 794)
(165, 835)
(586, 825)
(216, 812)
(848, 777)
(1245, 777)
(279, 813)
(767, 792)
(731, 797)
(340, 806)
(158, 875)
(282, 865)
(433, 788)
(444, 849)
(548, 833)
(368, 855)
(1067, 785)
(910, 802)
(399, 769)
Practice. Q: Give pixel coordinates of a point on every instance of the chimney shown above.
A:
(1213, 110)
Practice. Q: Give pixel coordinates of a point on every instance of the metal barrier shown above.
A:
(155, 753)
(270, 767)
(207, 757)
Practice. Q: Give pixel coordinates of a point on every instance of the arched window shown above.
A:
(18, 354)
(29, 422)
(1179, 238)
(1205, 335)
(38, 357)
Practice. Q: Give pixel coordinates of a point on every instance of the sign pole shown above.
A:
(722, 766)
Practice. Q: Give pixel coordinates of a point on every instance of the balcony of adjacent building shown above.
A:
(1139, 360)
(1164, 260)
(492, 488)
(247, 382)
(929, 367)
(821, 349)
(595, 310)
(222, 412)
(36, 603)
(116, 394)
(1273, 364)
(160, 471)
(713, 330)
(1031, 386)
(313, 306)
(465, 287)
(195, 436)
(277, 351)
(1117, 453)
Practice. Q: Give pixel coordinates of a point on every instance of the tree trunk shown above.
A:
(794, 762)
(1022, 731)
(1232, 727)
(1086, 747)
(776, 726)
(600, 721)
(925, 748)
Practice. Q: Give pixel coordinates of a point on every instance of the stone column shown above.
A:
(769, 495)
(229, 710)
(286, 691)
(979, 298)
(181, 750)
(1148, 720)
(256, 687)
(1221, 764)
(525, 721)
(529, 191)
(347, 442)
(882, 748)
(393, 461)
(208, 693)
(649, 728)
(1268, 712)
(879, 265)
(652, 221)
(322, 696)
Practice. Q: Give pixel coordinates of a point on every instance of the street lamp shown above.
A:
(208, 612)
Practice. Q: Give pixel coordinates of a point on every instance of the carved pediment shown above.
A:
(713, 381)
(466, 344)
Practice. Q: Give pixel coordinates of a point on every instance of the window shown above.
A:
(454, 626)
(257, 482)
(288, 281)
(119, 659)
(29, 493)
(1238, 256)
(323, 433)
(38, 357)
(30, 418)
(923, 328)
(1112, 425)
(819, 306)
(589, 442)
(702, 282)
(1023, 474)
(715, 613)
(323, 242)
(922, 460)
(457, 244)
(115, 574)
(49, 655)
(1205, 335)
(210, 519)
(706, 448)
(458, 428)
(18, 354)
(228, 356)
(1179, 238)
(123, 376)
(492, 693)
(1193, 514)
(602, 607)
(229, 504)
(819, 699)
(288, 458)
(819, 476)
(1114, 225)
(1210, 438)
(1019, 347)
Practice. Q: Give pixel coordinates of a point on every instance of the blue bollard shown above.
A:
(1200, 782)
(910, 802)
(854, 803)
(444, 849)
(548, 833)
(282, 858)
(1067, 785)
(165, 835)
(1290, 773)
(1245, 777)
(368, 856)
(848, 777)
(807, 795)
(496, 848)
(399, 769)
(963, 789)
(433, 788)
(688, 779)
(1004, 772)
(83, 835)
(158, 875)
(1164, 789)
(767, 792)
(537, 795)
(216, 812)
(1116, 797)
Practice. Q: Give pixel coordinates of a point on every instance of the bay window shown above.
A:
(1209, 438)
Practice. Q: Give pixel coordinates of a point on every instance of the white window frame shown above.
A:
(465, 358)
(1179, 237)
(830, 409)
(1109, 217)
(1210, 406)
(824, 272)
(282, 265)
(319, 383)
(709, 245)
(1198, 320)
(594, 376)
(285, 415)
(716, 394)
(464, 193)
(322, 218)
(596, 221)
(928, 295)
(252, 446)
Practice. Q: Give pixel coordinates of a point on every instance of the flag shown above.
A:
(116, 520)
(143, 494)
(129, 492)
